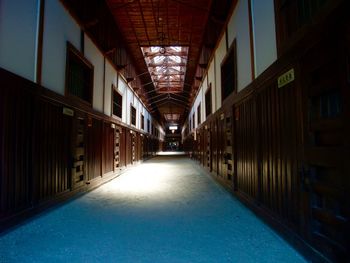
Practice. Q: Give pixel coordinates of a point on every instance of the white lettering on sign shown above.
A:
(68, 112)
(286, 78)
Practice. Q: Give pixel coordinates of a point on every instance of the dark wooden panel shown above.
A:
(279, 136)
(123, 145)
(247, 148)
(94, 148)
(108, 148)
(16, 118)
(128, 148)
(213, 126)
(78, 169)
(326, 92)
(46, 155)
(51, 150)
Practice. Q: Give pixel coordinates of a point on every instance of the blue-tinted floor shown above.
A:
(165, 210)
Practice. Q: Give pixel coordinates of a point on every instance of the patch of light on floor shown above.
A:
(145, 179)
(171, 153)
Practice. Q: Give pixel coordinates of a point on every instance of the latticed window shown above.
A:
(79, 77)
(133, 115)
(117, 103)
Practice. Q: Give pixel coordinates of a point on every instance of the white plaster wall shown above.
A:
(18, 36)
(264, 34)
(93, 54)
(59, 27)
(238, 28)
(111, 78)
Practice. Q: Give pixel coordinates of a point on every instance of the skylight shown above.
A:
(167, 67)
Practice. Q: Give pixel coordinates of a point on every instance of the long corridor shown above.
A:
(167, 209)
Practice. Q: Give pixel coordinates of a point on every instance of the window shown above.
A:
(193, 121)
(308, 9)
(208, 101)
(199, 114)
(79, 75)
(132, 115)
(117, 103)
(142, 122)
(228, 73)
(294, 14)
(148, 126)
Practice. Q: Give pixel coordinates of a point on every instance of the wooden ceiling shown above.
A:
(194, 25)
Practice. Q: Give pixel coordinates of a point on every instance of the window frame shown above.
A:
(208, 91)
(142, 122)
(115, 90)
(193, 120)
(231, 54)
(73, 53)
(199, 114)
(131, 115)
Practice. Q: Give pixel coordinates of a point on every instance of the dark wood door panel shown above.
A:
(326, 149)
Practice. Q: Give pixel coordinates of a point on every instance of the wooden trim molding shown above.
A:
(252, 39)
(39, 61)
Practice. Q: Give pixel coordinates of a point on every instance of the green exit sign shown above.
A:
(286, 78)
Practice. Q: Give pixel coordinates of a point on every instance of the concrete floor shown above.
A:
(165, 210)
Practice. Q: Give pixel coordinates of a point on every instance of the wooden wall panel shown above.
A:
(279, 145)
(292, 144)
(45, 154)
(123, 146)
(247, 151)
(128, 148)
(326, 177)
(94, 148)
(51, 150)
(16, 153)
(108, 147)
(213, 126)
